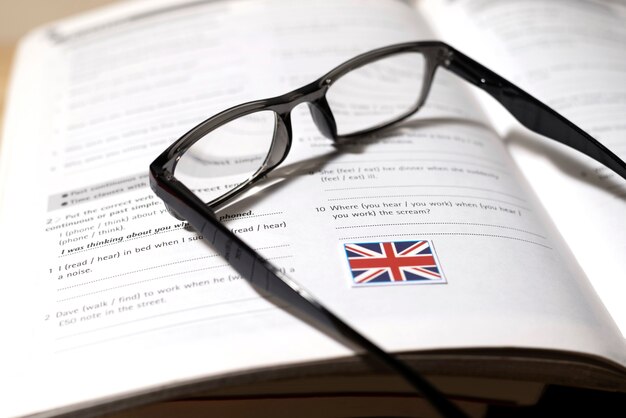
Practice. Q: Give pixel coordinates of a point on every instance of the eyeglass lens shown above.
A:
(377, 93)
(366, 97)
(228, 155)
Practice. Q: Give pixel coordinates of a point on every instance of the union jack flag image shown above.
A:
(375, 263)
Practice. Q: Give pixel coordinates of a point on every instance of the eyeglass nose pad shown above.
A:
(323, 118)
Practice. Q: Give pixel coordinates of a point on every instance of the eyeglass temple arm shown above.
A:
(263, 274)
(530, 112)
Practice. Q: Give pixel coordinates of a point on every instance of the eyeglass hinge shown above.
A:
(445, 57)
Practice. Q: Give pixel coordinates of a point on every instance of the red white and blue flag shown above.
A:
(393, 262)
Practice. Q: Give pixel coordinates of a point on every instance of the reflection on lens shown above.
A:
(377, 93)
(227, 156)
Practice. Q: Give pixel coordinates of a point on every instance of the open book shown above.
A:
(108, 301)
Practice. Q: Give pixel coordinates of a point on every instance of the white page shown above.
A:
(148, 303)
(571, 55)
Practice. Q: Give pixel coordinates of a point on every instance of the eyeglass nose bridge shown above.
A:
(281, 142)
(323, 117)
(314, 95)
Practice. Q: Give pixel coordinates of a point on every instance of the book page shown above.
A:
(570, 55)
(108, 295)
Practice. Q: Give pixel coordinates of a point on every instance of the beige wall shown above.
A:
(18, 16)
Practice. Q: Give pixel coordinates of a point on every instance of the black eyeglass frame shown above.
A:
(185, 205)
(529, 111)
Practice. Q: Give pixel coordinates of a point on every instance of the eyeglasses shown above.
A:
(365, 94)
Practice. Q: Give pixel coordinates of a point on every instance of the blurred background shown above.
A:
(17, 17)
